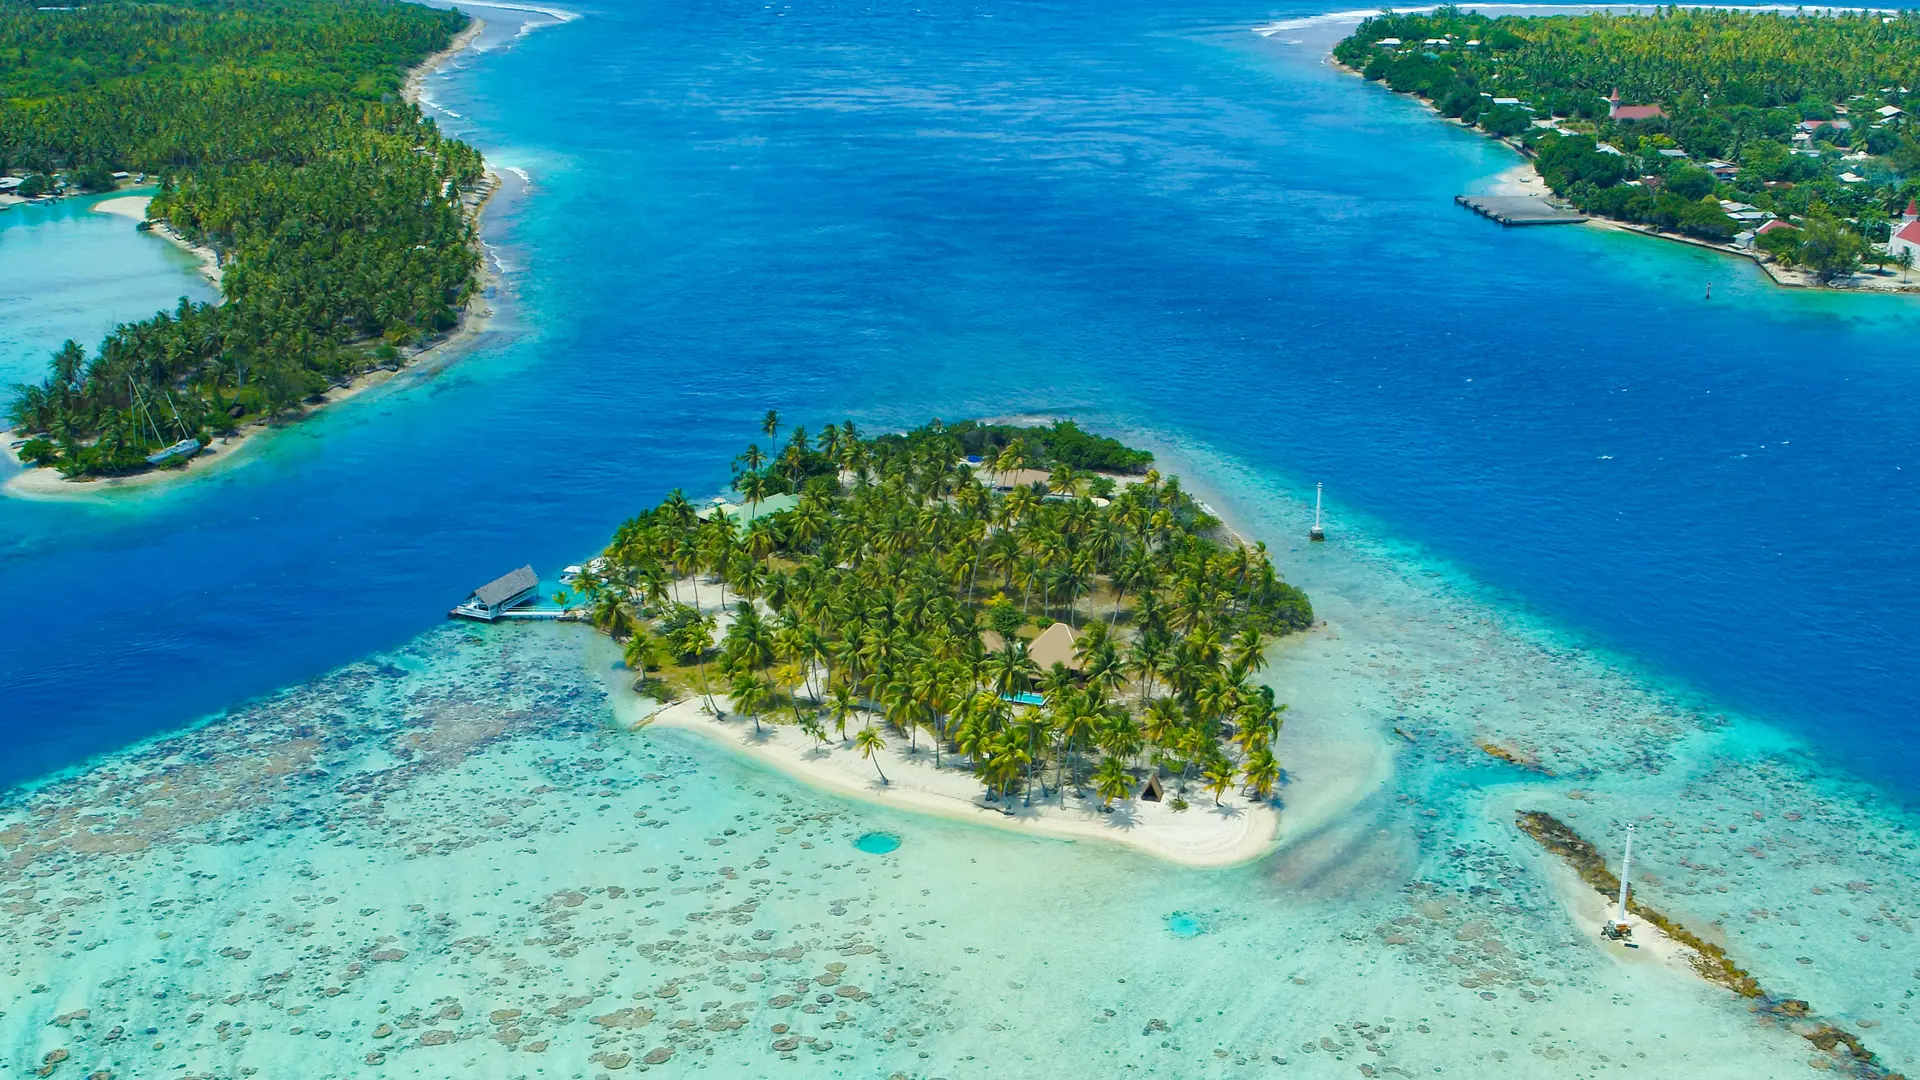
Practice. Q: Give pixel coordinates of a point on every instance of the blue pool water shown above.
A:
(1145, 216)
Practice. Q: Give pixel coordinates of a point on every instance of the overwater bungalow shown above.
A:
(499, 595)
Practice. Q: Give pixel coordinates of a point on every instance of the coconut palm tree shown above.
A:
(868, 741)
(1219, 774)
(750, 693)
(1263, 773)
(842, 703)
(1111, 782)
(695, 639)
(1036, 727)
(791, 675)
(1013, 669)
(642, 652)
(1007, 759)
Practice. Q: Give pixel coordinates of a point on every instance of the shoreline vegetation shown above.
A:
(343, 237)
(1026, 626)
(1727, 130)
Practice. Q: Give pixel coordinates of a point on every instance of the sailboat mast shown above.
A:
(140, 409)
(1626, 868)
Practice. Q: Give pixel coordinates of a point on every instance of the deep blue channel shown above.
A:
(1149, 217)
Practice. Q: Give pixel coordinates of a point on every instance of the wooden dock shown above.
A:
(465, 612)
(1519, 210)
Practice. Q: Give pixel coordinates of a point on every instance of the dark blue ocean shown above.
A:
(1140, 215)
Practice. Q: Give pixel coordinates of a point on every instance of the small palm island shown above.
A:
(962, 618)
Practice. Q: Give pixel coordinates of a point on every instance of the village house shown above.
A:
(1811, 128)
(1747, 239)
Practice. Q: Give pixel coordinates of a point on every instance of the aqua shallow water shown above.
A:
(72, 273)
(877, 843)
(1199, 238)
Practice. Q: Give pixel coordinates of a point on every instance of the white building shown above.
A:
(1906, 235)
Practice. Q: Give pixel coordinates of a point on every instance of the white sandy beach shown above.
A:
(1522, 179)
(463, 41)
(1202, 835)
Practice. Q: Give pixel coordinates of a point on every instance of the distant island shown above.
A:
(287, 149)
(1023, 619)
(1785, 136)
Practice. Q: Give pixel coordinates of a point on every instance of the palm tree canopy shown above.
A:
(874, 592)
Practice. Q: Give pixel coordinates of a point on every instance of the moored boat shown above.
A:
(180, 451)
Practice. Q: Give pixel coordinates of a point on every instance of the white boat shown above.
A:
(179, 451)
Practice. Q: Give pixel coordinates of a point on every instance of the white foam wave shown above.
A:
(500, 265)
(560, 14)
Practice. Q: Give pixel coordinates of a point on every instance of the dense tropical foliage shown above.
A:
(869, 602)
(1797, 115)
(282, 142)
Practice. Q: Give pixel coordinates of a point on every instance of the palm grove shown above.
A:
(895, 601)
(282, 141)
(1802, 115)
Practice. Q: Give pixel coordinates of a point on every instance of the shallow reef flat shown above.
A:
(1751, 839)
(444, 860)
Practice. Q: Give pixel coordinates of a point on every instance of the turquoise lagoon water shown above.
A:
(70, 272)
(271, 815)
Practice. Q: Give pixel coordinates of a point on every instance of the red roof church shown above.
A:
(1633, 112)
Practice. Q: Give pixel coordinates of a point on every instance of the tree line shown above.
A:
(281, 141)
(899, 595)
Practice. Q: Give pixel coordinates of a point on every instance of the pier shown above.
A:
(1519, 210)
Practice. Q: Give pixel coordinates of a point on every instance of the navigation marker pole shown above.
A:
(1316, 533)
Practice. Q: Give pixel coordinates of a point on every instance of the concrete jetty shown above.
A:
(1519, 210)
